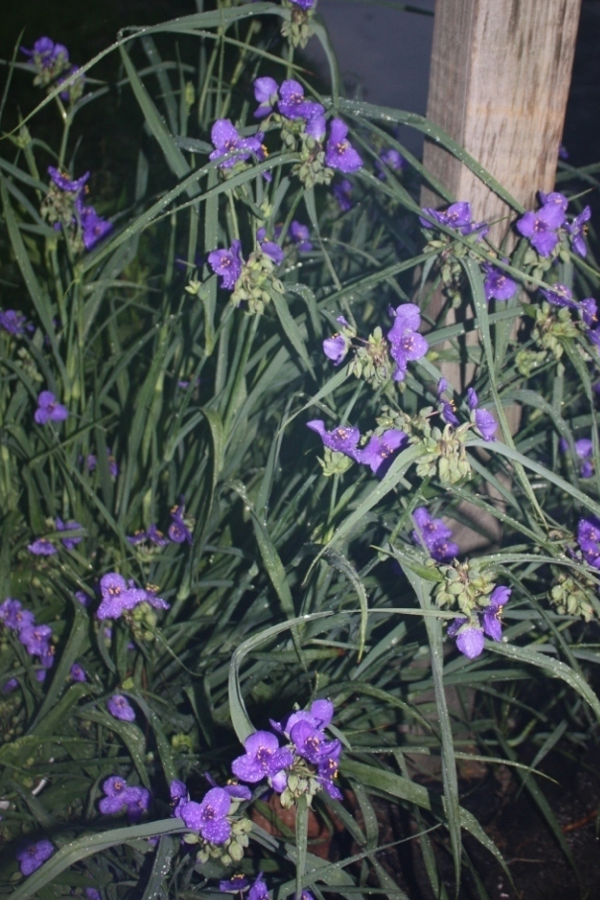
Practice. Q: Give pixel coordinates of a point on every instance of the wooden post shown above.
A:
(500, 75)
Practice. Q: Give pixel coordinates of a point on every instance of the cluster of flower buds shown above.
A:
(63, 207)
(378, 359)
(570, 594)
(298, 29)
(471, 587)
(179, 532)
(214, 823)
(250, 281)
(52, 68)
(35, 638)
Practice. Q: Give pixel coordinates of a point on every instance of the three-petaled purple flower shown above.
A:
(228, 264)
(541, 227)
(588, 538)
(380, 450)
(435, 535)
(209, 817)
(69, 542)
(497, 285)
(406, 343)
(119, 796)
(577, 228)
(120, 707)
(49, 409)
(300, 235)
(118, 595)
(32, 856)
(293, 104)
(178, 529)
(339, 152)
(336, 347)
(266, 91)
(390, 158)
(343, 439)
(264, 758)
(584, 450)
(447, 407)
(226, 139)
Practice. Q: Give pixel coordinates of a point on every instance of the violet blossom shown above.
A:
(336, 347)
(178, 530)
(77, 672)
(226, 139)
(588, 538)
(269, 248)
(93, 228)
(342, 192)
(458, 216)
(12, 322)
(339, 152)
(584, 450)
(541, 227)
(406, 343)
(42, 547)
(120, 797)
(120, 708)
(209, 817)
(234, 885)
(469, 633)
(227, 264)
(482, 418)
(390, 158)
(259, 890)
(266, 91)
(447, 407)
(300, 235)
(264, 758)
(69, 542)
(31, 856)
(435, 535)
(118, 596)
(380, 451)
(293, 105)
(343, 439)
(49, 409)
(497, 285)
(577, 229)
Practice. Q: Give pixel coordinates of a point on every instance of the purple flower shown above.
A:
(82, 598)
(497, 285)
(588, 538)
(541, 227)
(117, 596)
(469, 637)
(379, 453)
(70, 542)
(407, 344)
(311, 743)
(560, 295)
(14, 616)
(293, 105)
(178, 530)
(300, 235)
(335, 348)
(339, 152)
(577, 228)
(458, 215)
(42, 547)
(120, 708)
(93, 894)
(554, 198)
(259, 890)
(263, 758)
(266, 91)
(32, 856)
(49, 409)
(491, 615)
(447, 406)
(77, 673)
(46, 53)
(435, 535)
(484, 420)
(92, 226)
(12, 321)
(303, 4)
(210, 816)
(227, 264)
(270, 248)
(237, 883)
(390, 158)
(342, 439)
(66, 183)
(316, 128)
(225, 139)
(10, 685)
(135, 800)
(327, 770)
(36, 640)
(343, 194)
(584, 450)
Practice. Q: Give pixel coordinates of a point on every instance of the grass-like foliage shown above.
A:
(218, 649)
